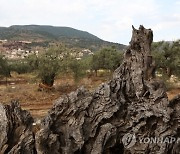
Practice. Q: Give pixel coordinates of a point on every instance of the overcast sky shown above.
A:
(110, 20)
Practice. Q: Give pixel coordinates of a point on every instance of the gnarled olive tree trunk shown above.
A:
(133, 102)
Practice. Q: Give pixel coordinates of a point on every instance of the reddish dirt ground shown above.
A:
(39, 102)
(173, 92)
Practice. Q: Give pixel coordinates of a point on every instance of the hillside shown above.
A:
(70, 36)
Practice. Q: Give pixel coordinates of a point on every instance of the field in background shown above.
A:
(25, 89)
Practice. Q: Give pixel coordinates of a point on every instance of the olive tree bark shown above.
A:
(16, 134)
(133, 102)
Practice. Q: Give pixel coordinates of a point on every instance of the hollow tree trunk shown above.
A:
(96, 122)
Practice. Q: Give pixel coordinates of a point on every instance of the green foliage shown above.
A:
(33, 62)
(167, 57)
(26, 65)
(48, 67)
(78, 68)
(19, 66)
(107, 58)
(56, 32)
(59, 58)
(86, 62)
(4, 67)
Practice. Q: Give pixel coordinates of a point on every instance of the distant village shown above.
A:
(21, 49)
(16, 49)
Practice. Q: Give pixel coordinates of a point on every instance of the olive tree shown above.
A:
(167, 57)
(107, 58)
(78, 69)
(56, 59)
(4, 67)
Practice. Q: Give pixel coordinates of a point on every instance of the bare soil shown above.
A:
(39, 102)
(25, 89)
(173, 92)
